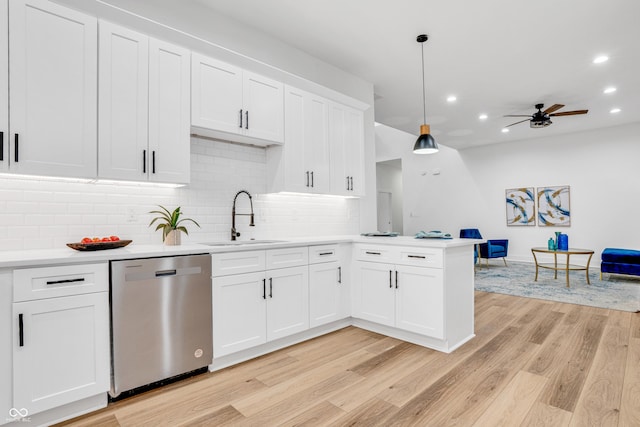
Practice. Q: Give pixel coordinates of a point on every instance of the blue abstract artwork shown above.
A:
(521, 206)
(554, 209)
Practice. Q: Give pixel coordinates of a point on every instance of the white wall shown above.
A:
(37, 214)
(601, 167)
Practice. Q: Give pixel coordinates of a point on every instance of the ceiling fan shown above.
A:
(541, 119)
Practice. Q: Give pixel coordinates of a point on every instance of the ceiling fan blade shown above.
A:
(521, 121)
(569, 113)
(553, 108)
(518, 115)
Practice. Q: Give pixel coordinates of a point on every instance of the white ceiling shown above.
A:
(497, 56)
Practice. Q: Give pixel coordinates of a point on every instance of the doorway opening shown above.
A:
(389, 195)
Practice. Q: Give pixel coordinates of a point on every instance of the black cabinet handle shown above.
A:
(270, 287)
(144, 161)
(79, 279)
(240, 118)
(416, 256)
(246, 121)
(372, 253)
(325, 253)
(307, 178)
(347, 183)
(16, 145)
(264, 288)
(351, 180)
(1, 146)
(153, 161)
(312, 178)
(339, 274)
(21, 330)
(390, 284)
(396, 279)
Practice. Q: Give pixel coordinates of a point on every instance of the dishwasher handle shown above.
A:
(163, 273)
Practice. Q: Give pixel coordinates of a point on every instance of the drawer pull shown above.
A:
(21, 329)
(372, 253)
(417, 256)
(325, 253)
(59, 282)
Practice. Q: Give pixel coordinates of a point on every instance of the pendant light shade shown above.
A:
(425, 144)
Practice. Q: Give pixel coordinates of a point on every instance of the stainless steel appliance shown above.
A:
(160, 319)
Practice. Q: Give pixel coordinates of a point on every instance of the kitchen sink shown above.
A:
(242, 242)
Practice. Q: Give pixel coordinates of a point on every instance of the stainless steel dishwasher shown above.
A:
(160, 319)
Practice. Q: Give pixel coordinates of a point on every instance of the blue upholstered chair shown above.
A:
(496, 248)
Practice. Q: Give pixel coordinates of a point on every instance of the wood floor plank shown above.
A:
(322, 414)
(514, 402)
(370, 414)
(543, 415)
(545, 326)
(635, 325)
(301, 382)
(225, 416)
(599, 402)
(564, 390)
(630, 404)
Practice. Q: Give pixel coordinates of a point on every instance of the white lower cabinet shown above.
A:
(405, 297)
(61, 354)
(325, 293)
(60, 324)
(253, 308)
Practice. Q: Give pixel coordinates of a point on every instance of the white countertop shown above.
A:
(38, 257)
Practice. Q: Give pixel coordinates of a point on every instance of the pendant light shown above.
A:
(425, 144)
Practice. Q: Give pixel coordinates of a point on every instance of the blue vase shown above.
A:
(563, 242)
(551, 245)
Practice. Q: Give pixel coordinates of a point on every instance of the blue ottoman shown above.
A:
(620, 261)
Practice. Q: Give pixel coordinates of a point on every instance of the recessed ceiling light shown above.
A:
(610, 89)
(615, 110)
(600, 59)
(505, 130)
(451, 98)
(483, 117)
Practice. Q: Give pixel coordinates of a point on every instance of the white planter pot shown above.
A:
(173, 238)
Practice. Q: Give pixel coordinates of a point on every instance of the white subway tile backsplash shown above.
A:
(39, 214)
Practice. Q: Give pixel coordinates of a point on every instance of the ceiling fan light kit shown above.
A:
(425, 144)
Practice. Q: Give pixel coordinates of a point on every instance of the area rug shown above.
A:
(614, 292)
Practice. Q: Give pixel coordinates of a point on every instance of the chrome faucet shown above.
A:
(234, 233)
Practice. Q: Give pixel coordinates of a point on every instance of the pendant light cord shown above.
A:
(424, 92)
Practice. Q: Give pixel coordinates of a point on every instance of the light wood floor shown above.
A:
(532, 363)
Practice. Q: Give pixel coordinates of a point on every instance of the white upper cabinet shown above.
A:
(144, 130)
(53, 90)
(302, 164)
(169, 118)
(346, 132)
(123, 125)
(234, 104)
(4, 87)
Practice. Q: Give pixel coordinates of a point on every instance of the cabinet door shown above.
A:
(61, 350)
(420, 301)
(216, 95)
(169, 118)
(263, 101)
(239, 312)
(123, 103)
(296, 170)
(4, 87)
(287, 301)
(346, 132)
(316, 140)
(354, 151)
(6, 337)
(374, 292)
(53, 84)
(325, 293)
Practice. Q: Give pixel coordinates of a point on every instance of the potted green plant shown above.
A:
(170, 222)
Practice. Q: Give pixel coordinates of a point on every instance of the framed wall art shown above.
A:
(521, 206)
(554, 207)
